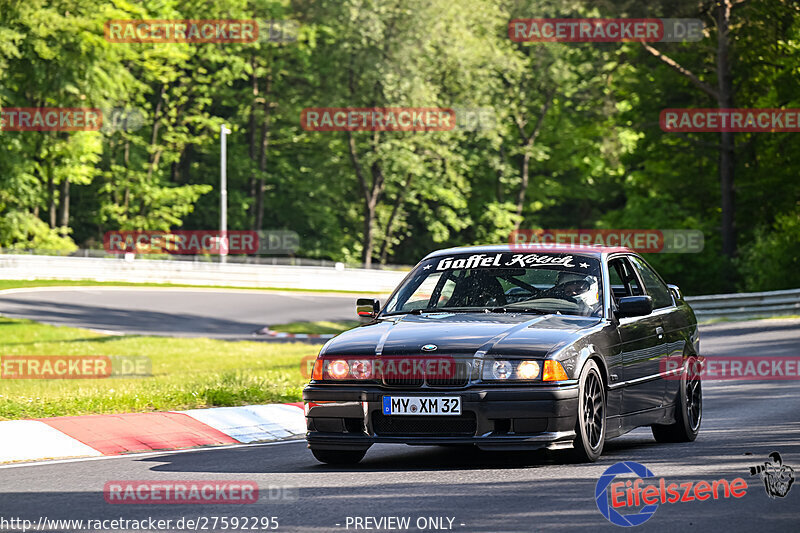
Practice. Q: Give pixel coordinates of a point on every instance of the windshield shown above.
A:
(503, 282)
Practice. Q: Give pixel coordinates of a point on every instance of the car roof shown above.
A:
(579, 249)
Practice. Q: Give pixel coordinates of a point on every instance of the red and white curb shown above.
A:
(98, 435)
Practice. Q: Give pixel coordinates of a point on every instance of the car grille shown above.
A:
(459, 378)
(463, 425)
(403, 382)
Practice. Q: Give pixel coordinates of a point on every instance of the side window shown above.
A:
(447, 293)
(634, 286)
(656, 288)
(623, 281)
(615, 279)
(420, 298)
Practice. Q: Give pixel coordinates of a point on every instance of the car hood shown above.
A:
(462, 334)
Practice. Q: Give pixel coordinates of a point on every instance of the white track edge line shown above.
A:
(148, 454)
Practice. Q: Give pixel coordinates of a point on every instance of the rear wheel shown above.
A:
(590, 428)
(688, 409)
(339, 457)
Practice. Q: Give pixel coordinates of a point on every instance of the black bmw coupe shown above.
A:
(511, 349)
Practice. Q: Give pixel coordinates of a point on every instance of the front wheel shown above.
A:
(688, 409)
(590, 428)
(339, 457)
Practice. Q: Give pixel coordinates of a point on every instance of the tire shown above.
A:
(688, 409)
(590, 426)
(339, 457)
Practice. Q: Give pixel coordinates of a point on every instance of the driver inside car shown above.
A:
(577, 288)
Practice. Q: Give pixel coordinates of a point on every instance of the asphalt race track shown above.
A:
(178, 312)
(743, 422)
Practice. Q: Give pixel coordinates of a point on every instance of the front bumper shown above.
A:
(341, 418)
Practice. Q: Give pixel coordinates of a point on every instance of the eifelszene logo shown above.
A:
(614, 496)
(605, 504)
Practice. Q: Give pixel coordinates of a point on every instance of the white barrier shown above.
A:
(197, 273)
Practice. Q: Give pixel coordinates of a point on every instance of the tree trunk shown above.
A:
(262, 164)
(389, 230)
(726, 151)
(156, 155)
(51, 197)
(183, 166)
(523, 186)
(369, 236)
(529, 141)
(370, 214)
(371, 194)
(127, 194)
(252, 149)
(501, 175)
(64, 215)
(724, 97)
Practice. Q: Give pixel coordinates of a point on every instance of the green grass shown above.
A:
(724, 319)
(186, 373)
(321, 327)
(16, 284)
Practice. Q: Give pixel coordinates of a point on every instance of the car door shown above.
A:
(642, 344)
(664, 307)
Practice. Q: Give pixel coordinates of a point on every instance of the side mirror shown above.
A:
(367, 308)
(676, 291)
(629, 306)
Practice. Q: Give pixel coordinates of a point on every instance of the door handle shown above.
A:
(660, 332)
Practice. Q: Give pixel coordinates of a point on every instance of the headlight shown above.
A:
(528, 370)
(502, 370)
(361, 369)
(338, 369)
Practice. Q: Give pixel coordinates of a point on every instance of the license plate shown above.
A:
(421, 405)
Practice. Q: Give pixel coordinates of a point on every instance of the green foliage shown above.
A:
(772, 260)
(23, 231)
(581, 118)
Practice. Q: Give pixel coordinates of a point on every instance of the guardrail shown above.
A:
(13, 266)
(17, 266)
(747, 305)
